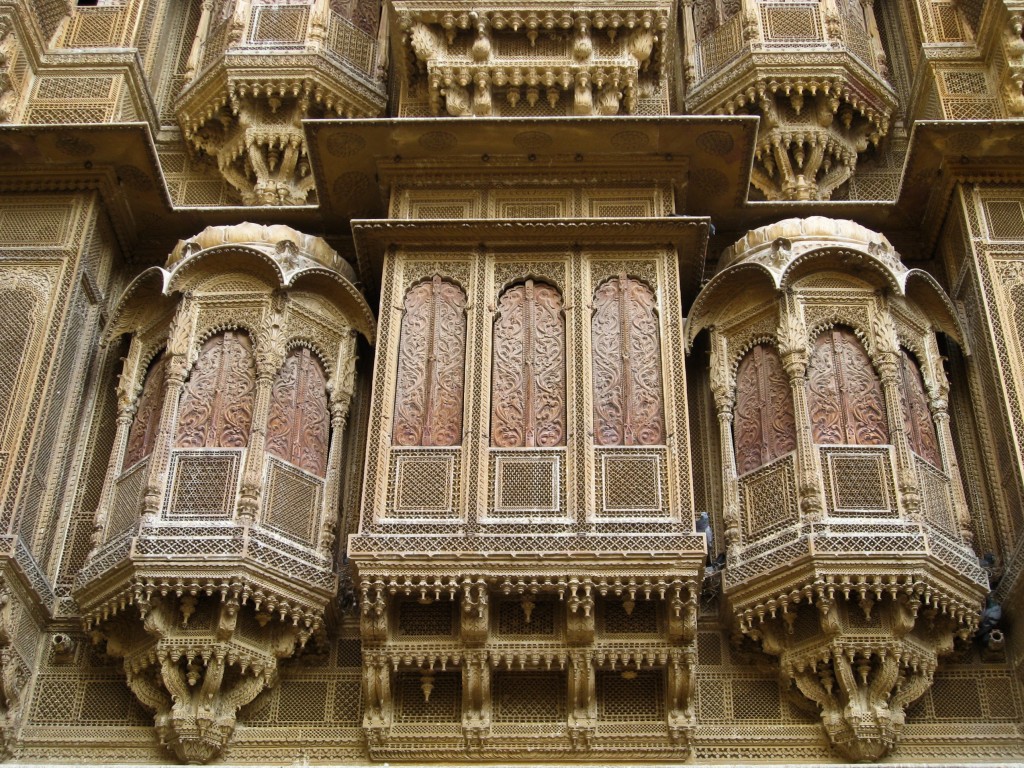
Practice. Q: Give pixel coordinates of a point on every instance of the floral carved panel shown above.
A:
(844, 394)
(299, 425)
(627, 365)
(764, 425)
(142, 435)
(917, 416)
(528, 379)
(431, 366)
(216, 405)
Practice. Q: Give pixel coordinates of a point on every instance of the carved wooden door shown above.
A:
(528, 373)
(844, 395)
(431, 366)
(216, 406)
(627, 365)
(142, 435)
(299, 425)
(764, 426)
(917, 416)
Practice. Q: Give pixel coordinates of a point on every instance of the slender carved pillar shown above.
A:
(197, 45)
(476, 704)
(340, 399)
(180, 356)
(724, 392)
(792, 336)
(938, 404)
(887, 362)
(881, 63)
(269, 356)
(582, 699)
(689, 44)
(682, 722)
(128, 392)
(319, 20)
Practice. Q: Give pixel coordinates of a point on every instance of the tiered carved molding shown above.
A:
(256, 71)
(847, 532)
(814, 73)
(214, 539)
(486, 61)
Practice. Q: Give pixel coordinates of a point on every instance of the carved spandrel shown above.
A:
(845, 398)
(528, 395)
(917, 416)
(431, 366)
(764, 426)
(142, 435)
(627, 365)
(217, 403)
(298, 429)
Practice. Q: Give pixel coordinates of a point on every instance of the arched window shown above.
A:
(299, 424)
(142, 435)
(627, 365)
(528, 374)
(917, 416)
(764, 428)
(216, 406)
(431, 365)
(844, 394)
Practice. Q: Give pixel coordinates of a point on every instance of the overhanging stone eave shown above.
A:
(353, 150)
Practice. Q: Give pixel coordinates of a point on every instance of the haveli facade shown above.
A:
(511, 382)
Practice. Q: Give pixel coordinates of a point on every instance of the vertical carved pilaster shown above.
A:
(128, 392)
(180, 355)
(339, 389)
(793, 348)
(582, 700)
(197, 46)
(724, 391)
(476, 699)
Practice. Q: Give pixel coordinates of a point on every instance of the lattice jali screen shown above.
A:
(858, 481)
(86, 700)
(126, 504)
(278, 25)
(944, 21)
(1004, 219)
(741, 699)
(718, 48)
(936, 496)
(99, 27)
(527, 483)
(63, 99)
(968, 695)
(303, 699)
(423, 483)
(631, 695)
(632, 482)
(768, 497)
(444, 704)
(790, 23)
(351, 43)
(434, 619)
(293, 499)
(203, 484)
(528, 697)
(537, 620)
(970, 109)
(619, 618)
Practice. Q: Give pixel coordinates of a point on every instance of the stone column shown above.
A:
(689, 45)
(197, 45)
(792, 335)
(724, 391)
